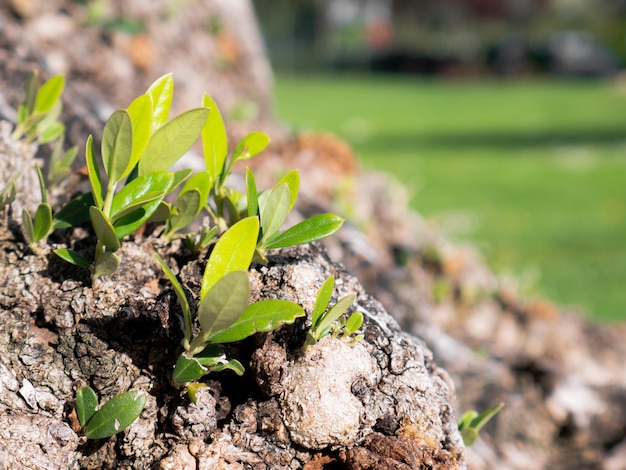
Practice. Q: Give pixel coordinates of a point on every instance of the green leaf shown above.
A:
(31, 87)
(275, 211)
(179, 177)
(214, 139)
(187, 370)
(49, 93)
(103, 228)
(29, 231)
(161, 214)
(225, 302)
(354, 323)
(42, 184)
(185, 209)
(172, 141)
(251, 145)
(86, 404)
(140, 112)
(161, 92)
(115, 415)
(50, 132)
(131, 222)
(232, 364)
(43, 221)
(309, 230)
(471, 423)
(94, 172)
(73, 257)
(332, 315)
(292, 179)
(322, 300)
(139, 192)
(9, 192)
(251, 194)
(232, 252)
(202, 182)
(105, 264)
(117, 139)
(75, 212)
(266, 315)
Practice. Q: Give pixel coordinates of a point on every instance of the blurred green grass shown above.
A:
(533, 172)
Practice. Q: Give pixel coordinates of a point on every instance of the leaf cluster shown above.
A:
(471, 423)
(37, 116)
(112, 417)
(37, 228)
(327, 320)
(224, 313)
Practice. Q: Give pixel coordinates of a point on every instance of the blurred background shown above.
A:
(506, 119)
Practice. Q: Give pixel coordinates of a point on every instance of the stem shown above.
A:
(108, 201)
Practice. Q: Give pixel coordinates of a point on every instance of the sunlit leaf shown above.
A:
(50, 132)
(103, 228)
(309, 230)
(202, 182)
(161, 92)
(231, 364)
(266, 315)
(332, 315)
(251, 194)
(251, 145)
(139, 192)
(214, 139)
(172, 140)
(49, 93)
(292, 178)
(322, 300)
(86, 404)
(117, 145)
(140, 111)
(353, 323)
(115, 415)
(94, 172)
(232, 252)
(275, 211)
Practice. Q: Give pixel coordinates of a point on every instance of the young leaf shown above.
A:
(49, 131)
(117, 145)
(104, 229)
(185, 209)
(232, 364)
(72, 257)
(202, 182)
(251, 145)
(161, 214)
(353, 323)
(86, 404)
(115, 415)
(139, 111)
(275, 211)
(31, 87)
(292, 178)
(105, 264)
(471, 423)
(214, 139)
(43, 221)
(265, 315)
(232, 252)
(75, 212)
(172, 141)
(224, 303)
(179, 177)
(333, 314)
(251, 194)
(42, 184)
(309, 230)
(322, 300)
(94, 172)
(49, 93)
(187, 370)
(139, 192)
(131, 222)
(29, 231)
(161, 92)
(9, 192)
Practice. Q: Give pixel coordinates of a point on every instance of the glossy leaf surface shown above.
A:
(86, 404)
(72, 257)
(115, 415)
(309, 230)
(161, 92)
(103, 228)
(275, 211)
(224, 303)
(117, 145)
(251, 145)
(265, 315)
(94, 172)
(214, 139)
(232, 252)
